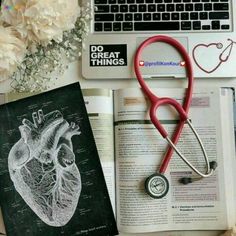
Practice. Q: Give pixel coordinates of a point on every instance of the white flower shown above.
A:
(12, 52)
(40, 21)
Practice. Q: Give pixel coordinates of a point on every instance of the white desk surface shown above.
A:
(73, 74)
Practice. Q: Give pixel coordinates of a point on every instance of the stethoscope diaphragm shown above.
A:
(157, 185)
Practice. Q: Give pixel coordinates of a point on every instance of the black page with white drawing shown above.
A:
(51, 180)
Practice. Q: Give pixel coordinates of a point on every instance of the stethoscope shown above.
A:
(157, 184)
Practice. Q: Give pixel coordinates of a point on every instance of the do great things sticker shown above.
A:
(108, 55)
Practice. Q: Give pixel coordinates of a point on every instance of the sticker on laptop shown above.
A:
(108, 55)
(220, 53)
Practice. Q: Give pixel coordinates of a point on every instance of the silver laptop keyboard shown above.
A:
(161, 15)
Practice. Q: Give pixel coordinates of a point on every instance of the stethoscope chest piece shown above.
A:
(157, 185)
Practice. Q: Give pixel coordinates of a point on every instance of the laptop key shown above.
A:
(170, 7)
(221, 6)
(203, 15)
(155, 26)
(184, 16)
(165, 16)
(196, 25)
(116, 26)
(189, 7)
(114, 8)
(161, 7)
(119, 17)
(174, 16)
(219, 15)
(198, 7)
(128, 17)
(193, 16)
(112, 2)
(133, 8)
(224, 26)
(107, 26)
(215, 25)
(102, 8)
(186, 25)
(138, 17)
(142, 8)
(98, 27)
(206, 27)
(179, 7)
(100, 1)
(147, 16)
(156, 16)
(123, 8)
(151, 8)
(207, 6)
(104, 17)
(127, 26)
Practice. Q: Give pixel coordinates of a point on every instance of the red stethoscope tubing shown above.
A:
(157, 101)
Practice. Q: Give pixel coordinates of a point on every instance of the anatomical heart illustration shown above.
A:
(42, 167)
(51, 179)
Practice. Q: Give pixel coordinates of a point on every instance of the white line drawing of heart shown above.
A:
(223, 56)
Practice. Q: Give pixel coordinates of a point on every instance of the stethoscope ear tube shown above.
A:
(153, 98)
(209, 169)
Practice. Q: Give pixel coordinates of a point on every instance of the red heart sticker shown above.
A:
(182, 63)
(141, 63)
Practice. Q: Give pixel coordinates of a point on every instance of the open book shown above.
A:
(131, 149)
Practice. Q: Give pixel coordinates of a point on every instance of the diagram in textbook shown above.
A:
(43, 169)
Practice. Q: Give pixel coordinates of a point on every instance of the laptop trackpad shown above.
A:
(162, 60)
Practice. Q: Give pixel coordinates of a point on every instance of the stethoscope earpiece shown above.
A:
(189, 180)
(186, 180)
(213, 165)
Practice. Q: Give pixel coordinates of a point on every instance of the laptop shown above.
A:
(206, 28)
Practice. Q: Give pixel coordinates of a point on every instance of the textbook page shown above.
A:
(99, 104)
(139, 149)
(229, 150)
